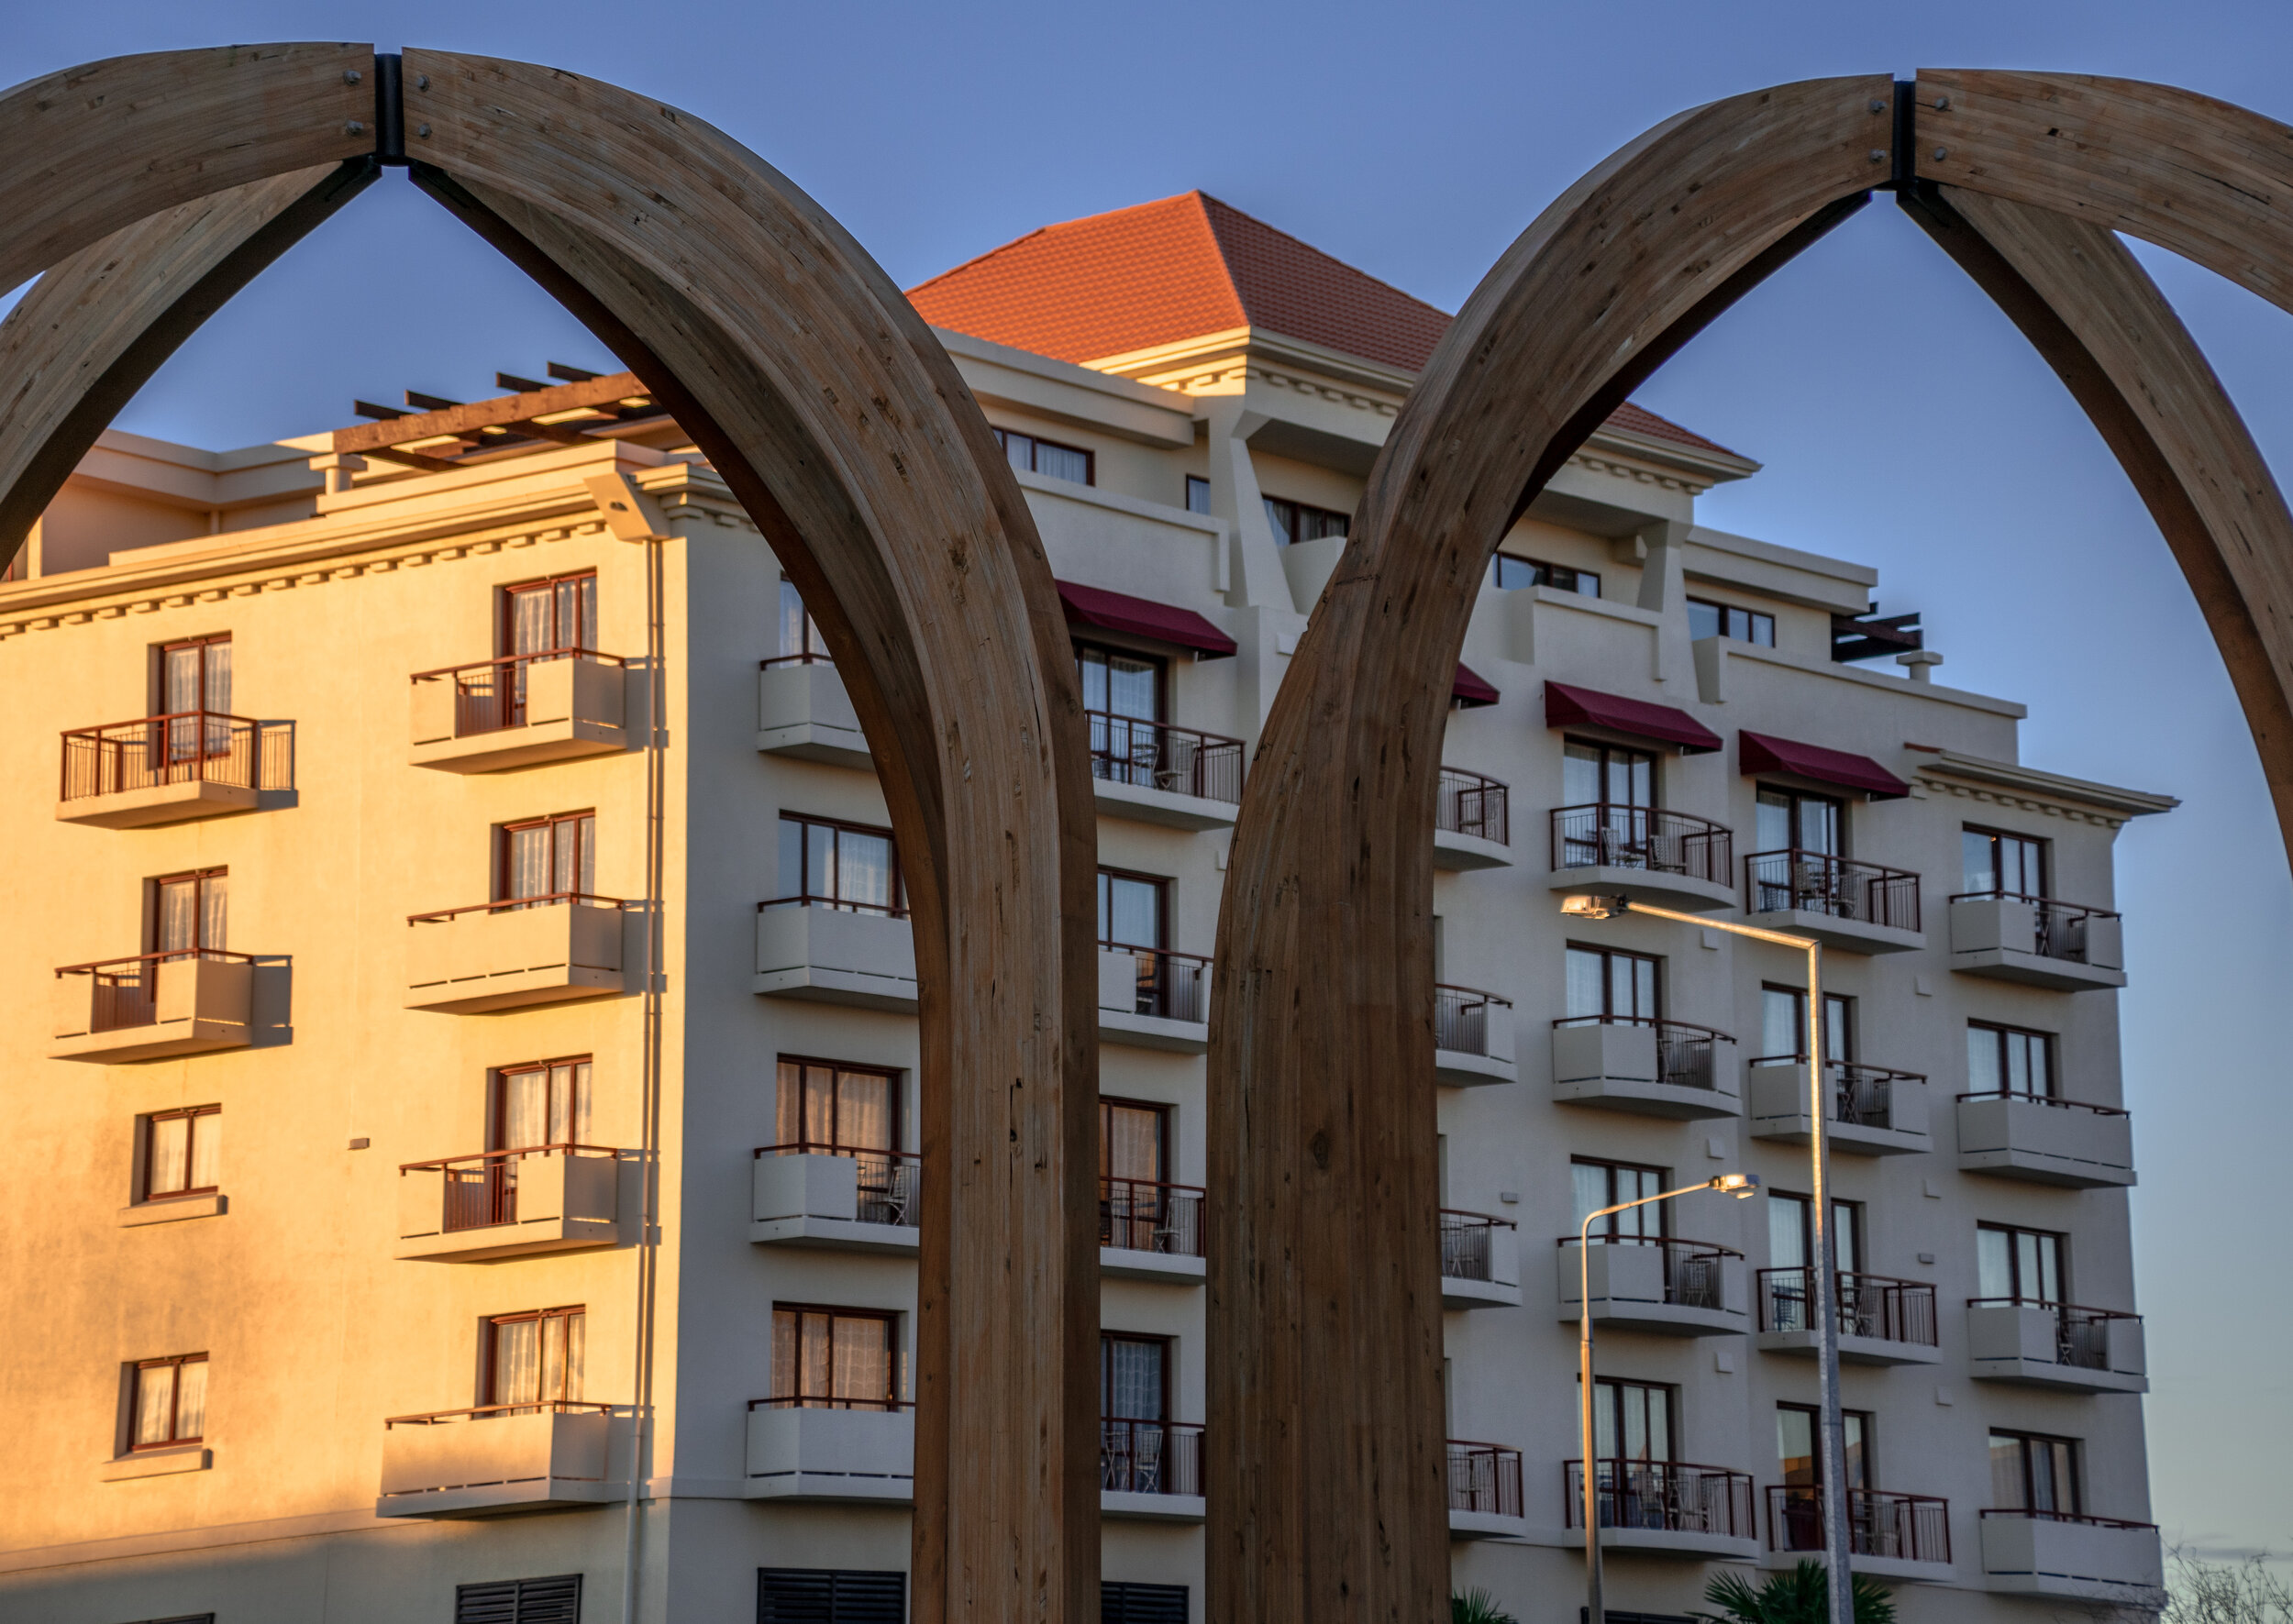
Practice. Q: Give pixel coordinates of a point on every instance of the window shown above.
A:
(1783, 1025)
(845, 866)
(1048, 458)
(1509, 573)
(195, 678)
(1630, 1421)
(2032, 1473)
(1141, 1604)
(834, 1358)
(1134, 1140)
(1134, 1376)
(556, 1600)
(1197, 494)
(1707, 619)
(2003, 865)
(169, 1402)
(1796, 1455)
(822, 1596)
(1606, 775)
(2023, 1264)
(1133, 910)
(1295, 521)
(183, 1152)
(1791, 1233)
(550, 617)
(833, 1107)
(546, 1103)
(534, 1358)
(1610, 986)
(800, 636)
(1119, 683)
(550, 859)
(191, 912)
(1794, 820)
(1605, 1184)
(2009, 1060)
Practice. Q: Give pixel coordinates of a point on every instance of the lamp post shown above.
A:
(1832, 1442)
(1739, 1185)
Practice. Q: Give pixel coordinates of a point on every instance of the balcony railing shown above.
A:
(1869, 1304)
(1601, 836)
(1684, 1050)
(1146, 1215)
(816, 1401)
(516, 905)
(2074, 1517)
(1471, 804)
(1170, 985)
(1158, 756)
(812, 657)
(490, 694)
(1150, 1457)
(1880, 1523)
(1862, 1096)
(1461, 1017)
(482, 1190)
(1692, 1268)
(187, 746)
(2025, 1097)
(2081, 1335)
(1467, 1243)
(1484, 1478)
(810, 898)
(2062, 927)
(486, 1412)
(1820, 882)
(126, 991)
(889, 1180)
(1668, 1496)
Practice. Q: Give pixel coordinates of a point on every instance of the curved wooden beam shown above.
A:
(93, 329)
(1327, 1478)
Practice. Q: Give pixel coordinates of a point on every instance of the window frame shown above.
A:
(174, 1403)
(1542, 573)
(2075, 1466)
(1197, 482)
(2014, 1231)
(1286, 530)
(1164, 1344)
(816, 647)
(155, 889)
(1161, 663)
(1814, 1412)
(894, 1079)
(585, 828)
(160, 651)
(1003, 437)
(2041, 846)
(1110, 1103)
(1798, 799)
(1616, 1386)
(2047, 1044)
(896, 908)
(1607, 1014)
(498, 1097)
(1606, 752)
(895, 1362)
(1855, 1212)
(1659, 1212)
(1842, 1035)
(491, 1376)
(1753, 620)
(507, 614)
(147, 1125)
(1162, 886)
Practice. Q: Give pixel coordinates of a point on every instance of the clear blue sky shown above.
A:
(1902, 421)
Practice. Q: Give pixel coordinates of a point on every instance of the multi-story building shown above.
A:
(461, 847)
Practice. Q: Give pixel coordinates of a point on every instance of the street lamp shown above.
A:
(1741, 1186)
(1832, 1443)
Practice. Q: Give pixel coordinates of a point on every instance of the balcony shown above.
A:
(1151, 998)
(2037, 940)
(835, 1199)
(1480, 1261)
(1485, 1491)
(1151, 772)
(1644, 853)
(509, 956)
(1658, 1068)
(835, 952)
(1667, 1508)
(2045, 1141)
(1667, 1287)
(2089, 1559)
(1889, 1535)
(1854, 907)
(1473, 1037)
(518, 710)
(803, 710)
(501, 1458)
(2051, 1345)
(1870, 1111)
(508, 1203)
(153, 1006)
(1150, 1471)
(169, 769)
(1881, 1320)
(832, 1450)
(1149, 1231)
(1472, 822)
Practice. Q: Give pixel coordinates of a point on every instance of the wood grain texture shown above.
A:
(93, 329)
(2088, 306)
(832, 411)
(1326, 1480)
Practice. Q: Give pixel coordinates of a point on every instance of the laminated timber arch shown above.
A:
(1327, 1478)
(156, 185)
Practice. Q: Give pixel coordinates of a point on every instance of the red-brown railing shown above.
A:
(2061, 925)
(1880, 1523)
(1484, 1478)
(1158, 756)
(808, 899)
(1692, 1268)
(1468, 1240)
(480, 1191)
(2081, 1335)
(513, 904)
(490, 694)
(1685, 1052)
(186, 747)
(814, 1401)
(2063, 1517)
(1472, 804)
(121, 998)
(890, 1181)
(1461, 1018)
(2058, 1102)
(1869, 1304)
(1822, 882)
(1665, 1495)
(1600, 834)
(810, 658)
(1150, 1457)
(1172, 985)
(1145, 1215)
(1862, 1096)
(480, 1413)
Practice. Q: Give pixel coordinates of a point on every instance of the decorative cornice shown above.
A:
(2051, 809)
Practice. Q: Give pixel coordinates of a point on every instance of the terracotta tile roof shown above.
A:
(1183, 267)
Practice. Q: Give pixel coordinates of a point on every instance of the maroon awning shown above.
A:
(1143, 617)
(1567, 706)
(1759, 752)
(1471, 689)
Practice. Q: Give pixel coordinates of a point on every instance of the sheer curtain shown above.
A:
(1130, 1386)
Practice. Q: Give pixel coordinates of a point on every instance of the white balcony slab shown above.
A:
(503, 1464)
(1997, 936)
(813, 1201)
(1455, 1068)
(1161, 1269)
(804, 711)
(1144, 803)
(2015, 1136)
(2074, 1562)
(1461, 853)
(200, 1005)
(833, 956)
(158, 804)
(1486, 1525)
(1847, 936)
(1494, 1033)
(1628, 1290)
(2016, 1342)
(855, 1455)
(1685, 892)
(1695, 1544)
(1120, 1022)
(1853, 1350)
(1777, 1108)
(1459, 1293)
(564, 1204)
(1140, 1507)
(1615, 1067)
(487, 960)
(1502, 1288)
(574, 708)
(1877, 1567)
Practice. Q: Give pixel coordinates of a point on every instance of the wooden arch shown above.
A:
(1327, 1470)
(156, 185)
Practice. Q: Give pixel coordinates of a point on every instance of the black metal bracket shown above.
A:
(1906, 176)
(390, 110)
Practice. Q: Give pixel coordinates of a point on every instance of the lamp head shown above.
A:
(1587, 906)
(1742, 1185)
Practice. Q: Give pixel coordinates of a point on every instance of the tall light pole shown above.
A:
(1832, 1442)
(1740, 1186)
